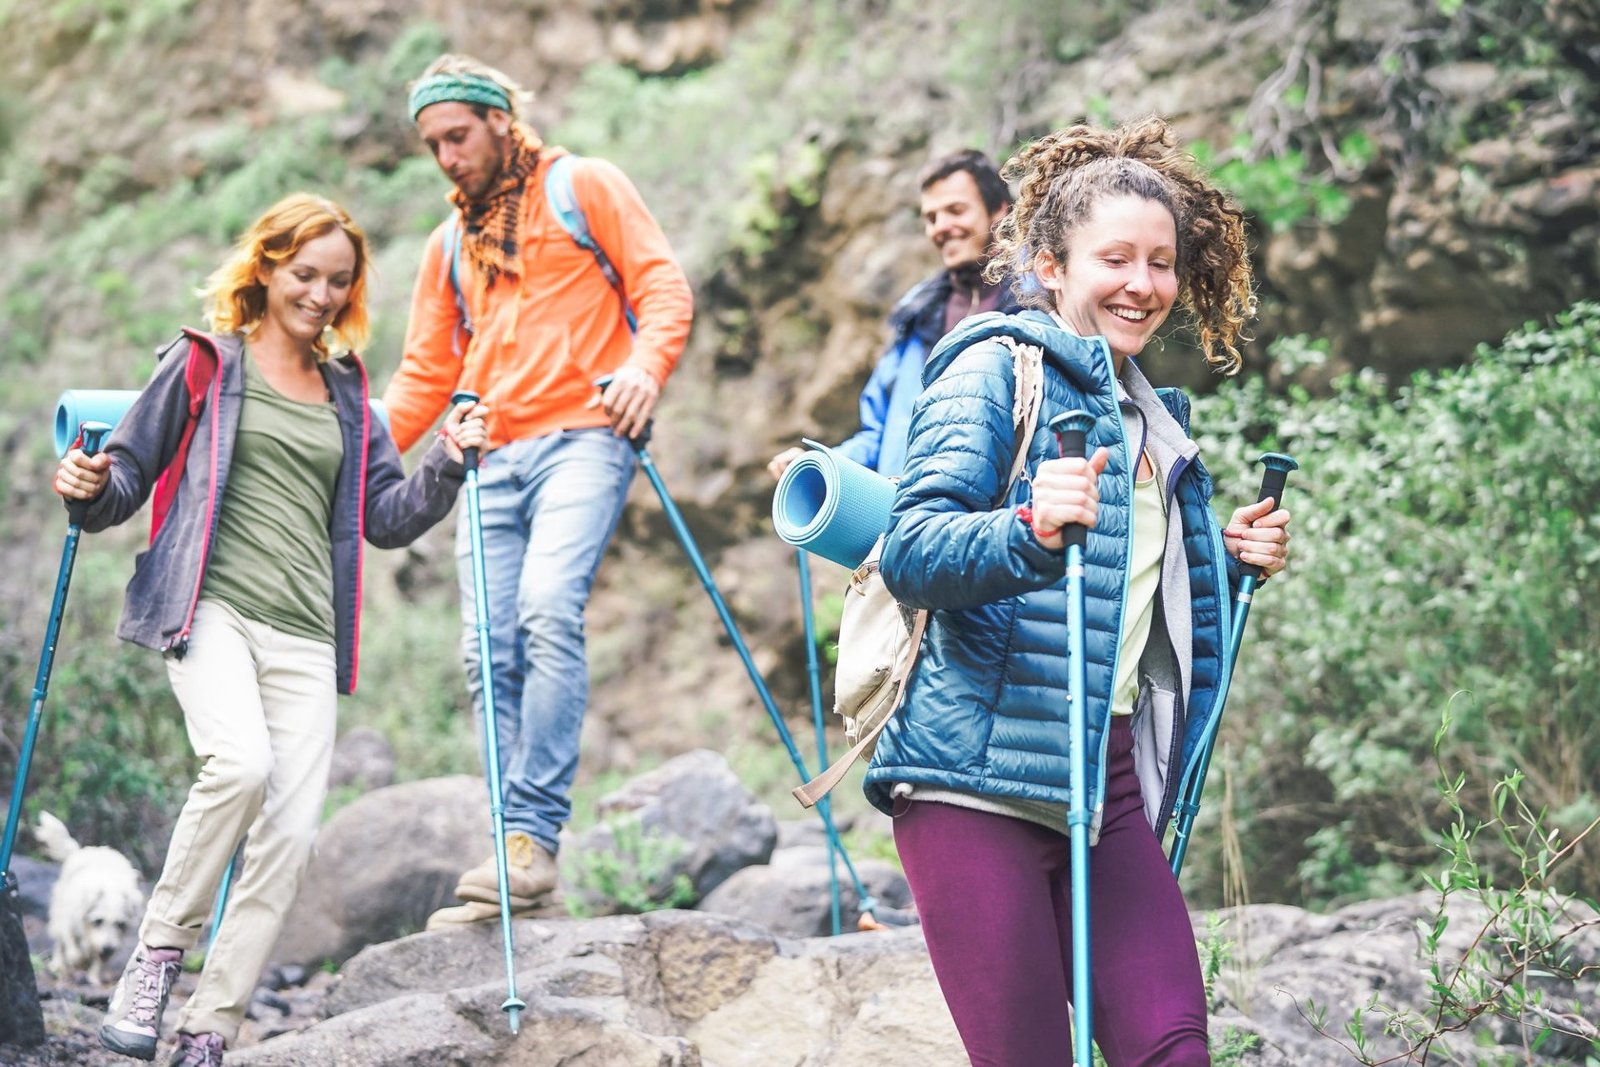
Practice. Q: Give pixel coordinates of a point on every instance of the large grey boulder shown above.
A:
(689, 824)
(363, 760)
(1291, 966)
(792, 895)
(383, 864)
(21, 1018)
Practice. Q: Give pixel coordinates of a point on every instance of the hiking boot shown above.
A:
(133, 1021)
(551, 907)
(197, 1050)
(530, 870)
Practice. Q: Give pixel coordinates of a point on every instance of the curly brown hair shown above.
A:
(1063, 176)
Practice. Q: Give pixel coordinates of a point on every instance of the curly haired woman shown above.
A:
(1117, 228)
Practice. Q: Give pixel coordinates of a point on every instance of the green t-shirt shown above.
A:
(272, 560)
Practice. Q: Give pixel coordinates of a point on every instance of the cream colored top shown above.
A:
(1144, 579)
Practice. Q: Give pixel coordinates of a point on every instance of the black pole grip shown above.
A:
(1072, 440)
(1273, 482)
(469, 456)
(638, 440)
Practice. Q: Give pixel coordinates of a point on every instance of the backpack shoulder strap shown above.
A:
(564, 202)
(1027, 371)
(451, 263)
(199, 377)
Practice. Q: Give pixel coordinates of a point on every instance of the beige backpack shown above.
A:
(879, 637)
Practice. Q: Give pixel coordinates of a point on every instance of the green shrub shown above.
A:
(110, 758)
(1523, 945)
(631, 876)
(1446, 549)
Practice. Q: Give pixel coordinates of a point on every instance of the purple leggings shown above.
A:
(995, 897)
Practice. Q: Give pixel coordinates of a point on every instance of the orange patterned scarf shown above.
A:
(490, 234)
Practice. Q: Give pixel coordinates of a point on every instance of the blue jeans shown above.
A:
(549, 506)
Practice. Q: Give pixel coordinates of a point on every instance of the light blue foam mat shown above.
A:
(78, 406)
(831, 506)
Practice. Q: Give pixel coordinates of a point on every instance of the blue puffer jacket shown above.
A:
(986, 708)
(916, 323)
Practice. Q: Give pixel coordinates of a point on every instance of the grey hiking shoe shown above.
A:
(197, 1050)
(133, 1022)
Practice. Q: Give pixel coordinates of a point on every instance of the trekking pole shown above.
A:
(1272, 485)
(868, 903)
(491, 725)
(809, 622)
(94, 437)
(222, 896)
(1072, 430)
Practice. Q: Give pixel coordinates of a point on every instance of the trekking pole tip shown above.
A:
(512, 1007)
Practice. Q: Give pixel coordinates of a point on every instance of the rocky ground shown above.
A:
(743, 980)
(73, 1010)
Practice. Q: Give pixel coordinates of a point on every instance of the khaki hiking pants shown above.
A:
(260, 707)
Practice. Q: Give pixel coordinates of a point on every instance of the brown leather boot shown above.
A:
(551, 907)
(530, 870)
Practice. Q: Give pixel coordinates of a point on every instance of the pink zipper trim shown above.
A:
(361, 523)
(214, 404)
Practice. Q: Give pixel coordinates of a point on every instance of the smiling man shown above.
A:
(963, 199)
(509, 305)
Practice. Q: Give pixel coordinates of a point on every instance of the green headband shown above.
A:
(461, 88)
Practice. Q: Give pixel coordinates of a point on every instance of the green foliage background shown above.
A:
(1446, 554)
(1445, 543)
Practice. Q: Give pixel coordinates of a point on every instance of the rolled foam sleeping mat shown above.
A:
(78, 406)
(831, 506)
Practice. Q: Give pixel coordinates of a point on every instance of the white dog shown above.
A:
(95, 902)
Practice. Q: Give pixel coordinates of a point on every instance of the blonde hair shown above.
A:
(236, 297)
(1065, 175)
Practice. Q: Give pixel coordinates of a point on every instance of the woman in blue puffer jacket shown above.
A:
(1117, 227)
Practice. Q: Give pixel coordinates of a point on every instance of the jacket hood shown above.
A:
(1084, 361)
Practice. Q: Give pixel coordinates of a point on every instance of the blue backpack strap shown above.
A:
(452, 263)
(564, 202)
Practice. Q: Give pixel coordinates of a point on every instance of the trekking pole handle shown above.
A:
(92, 437)
(1072, 441)
(1273, 482)
(638, 440)
(469, 456)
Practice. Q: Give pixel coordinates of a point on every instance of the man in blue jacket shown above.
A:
(963, 199)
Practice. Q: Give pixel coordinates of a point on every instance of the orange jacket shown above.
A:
(542, 339)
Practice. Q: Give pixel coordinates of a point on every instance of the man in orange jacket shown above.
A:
(509, 306)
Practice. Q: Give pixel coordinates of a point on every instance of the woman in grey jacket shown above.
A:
(1116, 227)
(269, 472)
